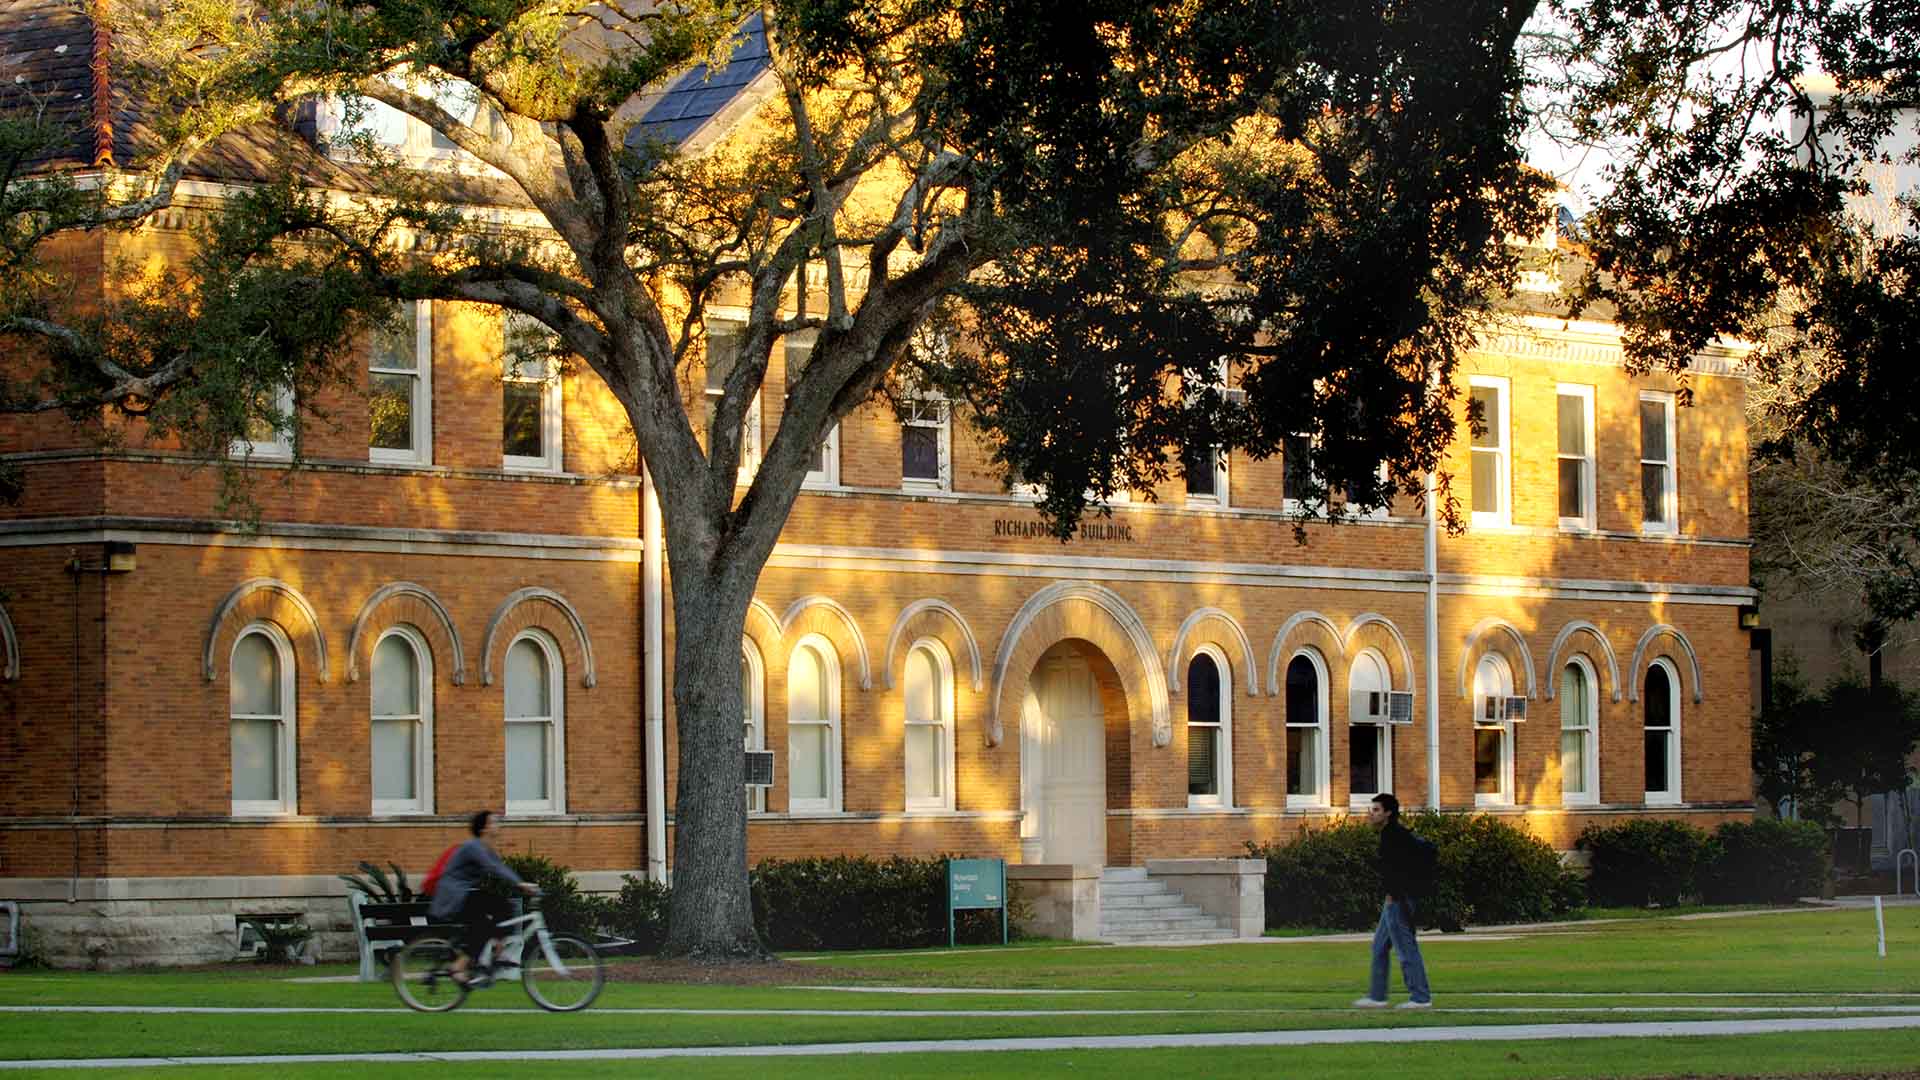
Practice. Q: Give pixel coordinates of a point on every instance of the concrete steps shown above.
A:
(1136, 908)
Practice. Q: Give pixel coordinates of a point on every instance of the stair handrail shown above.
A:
(1899, 862)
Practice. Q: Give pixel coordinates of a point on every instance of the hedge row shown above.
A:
(1644, 863)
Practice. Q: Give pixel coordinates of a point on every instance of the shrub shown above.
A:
(1643, 863)
(1490, 872)
(863, 903)
(1766, 861)
(640, 913)
(568, 910)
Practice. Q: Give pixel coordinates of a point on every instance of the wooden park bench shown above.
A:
(379, 927)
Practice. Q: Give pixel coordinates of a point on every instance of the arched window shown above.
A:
(753, 715)
(929, 729)
(402, 743)
(1662, 703)
(1306, 730)
(261, 718)
(1209, 729)
(1492, 733)
(813, 728)
(1369, 739)
(1579, 735)
(536, 717)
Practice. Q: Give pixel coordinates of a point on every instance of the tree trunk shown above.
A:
(711, 915)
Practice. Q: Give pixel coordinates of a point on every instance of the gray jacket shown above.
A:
(472, 864)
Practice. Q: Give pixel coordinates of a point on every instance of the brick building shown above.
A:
(450, 602)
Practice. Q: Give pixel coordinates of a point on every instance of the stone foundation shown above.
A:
(1065, 899)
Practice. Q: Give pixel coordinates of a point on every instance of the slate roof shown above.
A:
(697, 96)
(46, 60)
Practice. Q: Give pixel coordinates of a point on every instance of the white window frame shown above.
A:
(750, 420)
(1382, 733)
(1223, 750)
(1321, 767)
(422, 802)
(1500, 684)
(1670, 796)
(1503, 472)
(421, 453)
(552, 405)
(943, 705)
(829, 704)
(556, 721)
(288, 720)
(942, 421)
(277, 448)
(1590, 731)
(799, 345)
(1289, 504)
(1220, 497)
(1588, 495)
(417, 146)
(1670, 497)
(754, 704)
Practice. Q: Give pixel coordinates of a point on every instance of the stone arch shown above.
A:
(1106, 621)
(1303, 627)
(267, 599)
(1361, 622)
(421, 601)
(932, 606)
(1640, 657)
(1175, 682)
(1521, 656)
(9, 647)
(765, 611)
(1562, 640)
(497, 626)
(801, 606)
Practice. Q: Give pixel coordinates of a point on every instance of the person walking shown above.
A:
(457, 894)
(1406, 868)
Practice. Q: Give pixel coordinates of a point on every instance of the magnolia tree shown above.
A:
(1080, 221)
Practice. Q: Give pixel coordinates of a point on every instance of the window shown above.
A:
(1579, 744)
(530, 401)
(1206, 471)
(1662, 705)
(268, 440)
(400, 133)
(929, 733)
(1306, 730)
(536, 768)
(1492, 733)
(1658, 504)
(261, 721)
(926, 443)
(753, 710)
(1575, 454)
(1492, 473)
(402, 742)
(723, 351)
(1369, 739)
(813, 728)
(400, 389)
(1209, 730)
(1296, 470)
(824, 469)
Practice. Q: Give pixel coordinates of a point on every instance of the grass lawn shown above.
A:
(1571, 973)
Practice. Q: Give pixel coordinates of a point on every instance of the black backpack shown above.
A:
(1426, 864)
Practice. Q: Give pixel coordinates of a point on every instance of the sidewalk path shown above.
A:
(1498, 1033)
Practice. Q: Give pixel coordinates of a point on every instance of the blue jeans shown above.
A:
(1396, 932)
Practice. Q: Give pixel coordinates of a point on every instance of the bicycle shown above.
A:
(560, 972)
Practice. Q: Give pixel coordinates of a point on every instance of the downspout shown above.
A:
(653, 648)
(1433, 650)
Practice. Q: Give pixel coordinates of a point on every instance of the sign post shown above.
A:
(974, 884)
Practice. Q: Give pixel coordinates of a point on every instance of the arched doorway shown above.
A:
(1063, 755)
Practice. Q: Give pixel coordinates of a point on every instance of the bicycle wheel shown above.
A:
(564, 975)
(422, 975)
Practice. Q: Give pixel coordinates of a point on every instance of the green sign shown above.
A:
(974, 884)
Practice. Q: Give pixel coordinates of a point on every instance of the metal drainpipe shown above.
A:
(1433, 650)
(654, 647)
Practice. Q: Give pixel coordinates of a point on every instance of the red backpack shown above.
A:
(432, 880)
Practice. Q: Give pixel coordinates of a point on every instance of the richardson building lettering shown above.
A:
(1037, 530)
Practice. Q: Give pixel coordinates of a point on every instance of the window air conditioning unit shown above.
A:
(1399, 706)
(1367, 707)
(759, 768)
(1498, 709)
(1516, 709)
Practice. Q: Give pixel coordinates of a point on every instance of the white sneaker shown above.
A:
(1369, 1003)
(1413, 1005)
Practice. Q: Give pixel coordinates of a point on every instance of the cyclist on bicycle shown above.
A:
(458, 893)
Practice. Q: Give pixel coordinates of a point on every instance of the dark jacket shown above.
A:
(472, 864)
(1400, 862)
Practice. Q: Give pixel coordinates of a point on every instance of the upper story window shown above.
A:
(926, 443)
(1209, 730)
(269, 440)
(1579, 737)
(1206, 466)
(261, 719)
(1575, 456)
(1306, 730)
(535, 716)
(753, 715)
(1659, 507)
(1492, 464)
(1296, 470)
(813, 728)
(1492, 733)
(1662, 722)
(396, 132)
(530, 395)
(929, 728)
(824, 468)
(1369, 738)
(723, 351)
(400, 386)
(402, 743)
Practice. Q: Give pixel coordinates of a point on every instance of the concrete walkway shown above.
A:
(1351, 1036)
